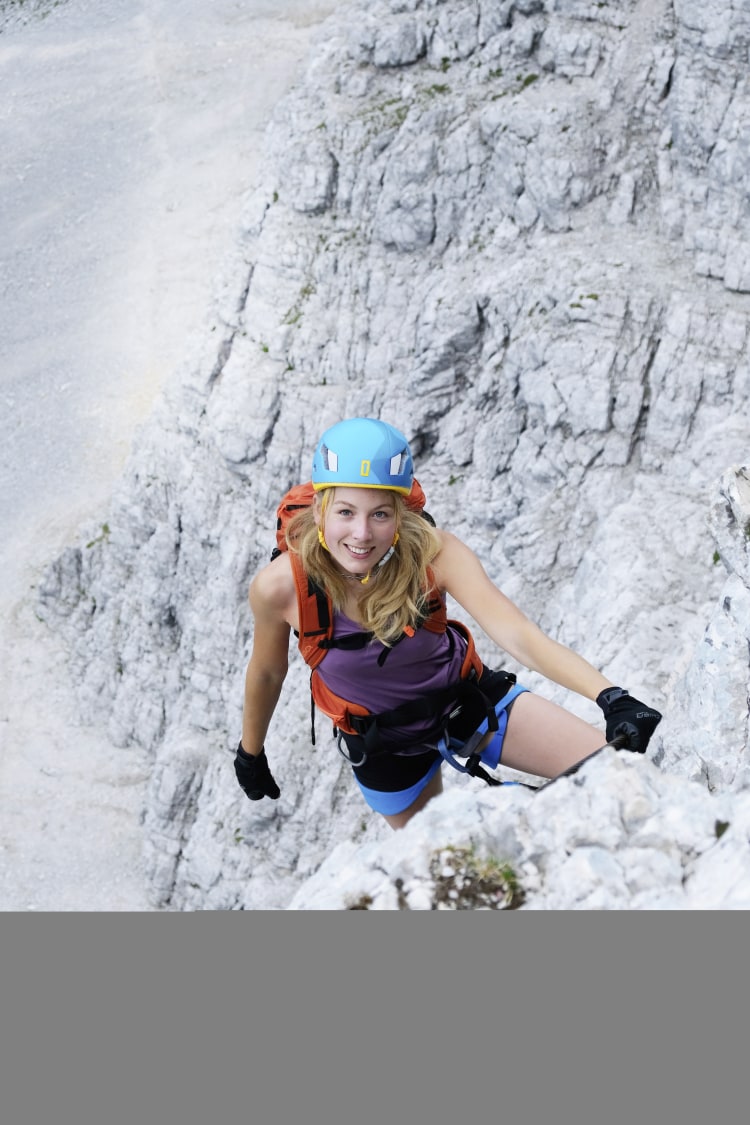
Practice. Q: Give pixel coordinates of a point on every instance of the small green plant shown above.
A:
(102, 538)
(717, 558)
(395, 111)
(527, 81)
(465, 881)
(432, 91)
(720, 828)
(264, 348)
(294, 314)
(584, 297)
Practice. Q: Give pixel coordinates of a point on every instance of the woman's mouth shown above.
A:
(358, 552)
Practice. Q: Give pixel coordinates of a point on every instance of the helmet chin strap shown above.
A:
(377, 566)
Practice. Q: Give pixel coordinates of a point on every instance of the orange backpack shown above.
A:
(315, 636)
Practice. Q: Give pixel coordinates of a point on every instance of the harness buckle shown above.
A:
(345, 753)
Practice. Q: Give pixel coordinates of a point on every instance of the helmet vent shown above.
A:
(330, 459)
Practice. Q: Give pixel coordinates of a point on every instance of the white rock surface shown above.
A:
(516, 230)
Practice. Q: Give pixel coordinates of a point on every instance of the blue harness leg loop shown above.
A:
(490, 756)
(450, 748)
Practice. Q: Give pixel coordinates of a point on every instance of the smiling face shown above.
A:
(359, 525)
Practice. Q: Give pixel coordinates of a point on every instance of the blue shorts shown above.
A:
(400, 800)
(389, 803)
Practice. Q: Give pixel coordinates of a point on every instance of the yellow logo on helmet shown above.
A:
(364, 470)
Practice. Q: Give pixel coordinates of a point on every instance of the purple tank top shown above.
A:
(416, 665)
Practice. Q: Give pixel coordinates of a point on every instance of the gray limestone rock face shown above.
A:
(518, 231)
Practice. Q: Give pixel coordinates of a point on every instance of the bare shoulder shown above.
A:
(454, 561)
(273, 593)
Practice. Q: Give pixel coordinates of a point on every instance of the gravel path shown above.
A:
(130, 133)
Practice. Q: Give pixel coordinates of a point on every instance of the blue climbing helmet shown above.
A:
(363, 453)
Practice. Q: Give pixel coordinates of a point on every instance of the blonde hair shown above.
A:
(396, 596)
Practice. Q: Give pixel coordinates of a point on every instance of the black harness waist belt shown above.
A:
(468, 703)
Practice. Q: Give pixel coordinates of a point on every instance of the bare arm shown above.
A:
(459, 571)
(272, 599)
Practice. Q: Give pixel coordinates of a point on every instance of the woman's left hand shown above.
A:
(629, 717)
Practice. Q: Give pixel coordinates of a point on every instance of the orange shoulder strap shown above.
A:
(315, 614)
(316, 619)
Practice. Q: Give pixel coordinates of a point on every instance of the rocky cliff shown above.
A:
(519, 230)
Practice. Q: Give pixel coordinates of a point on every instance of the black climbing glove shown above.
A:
(254, 775)
(628, 717)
